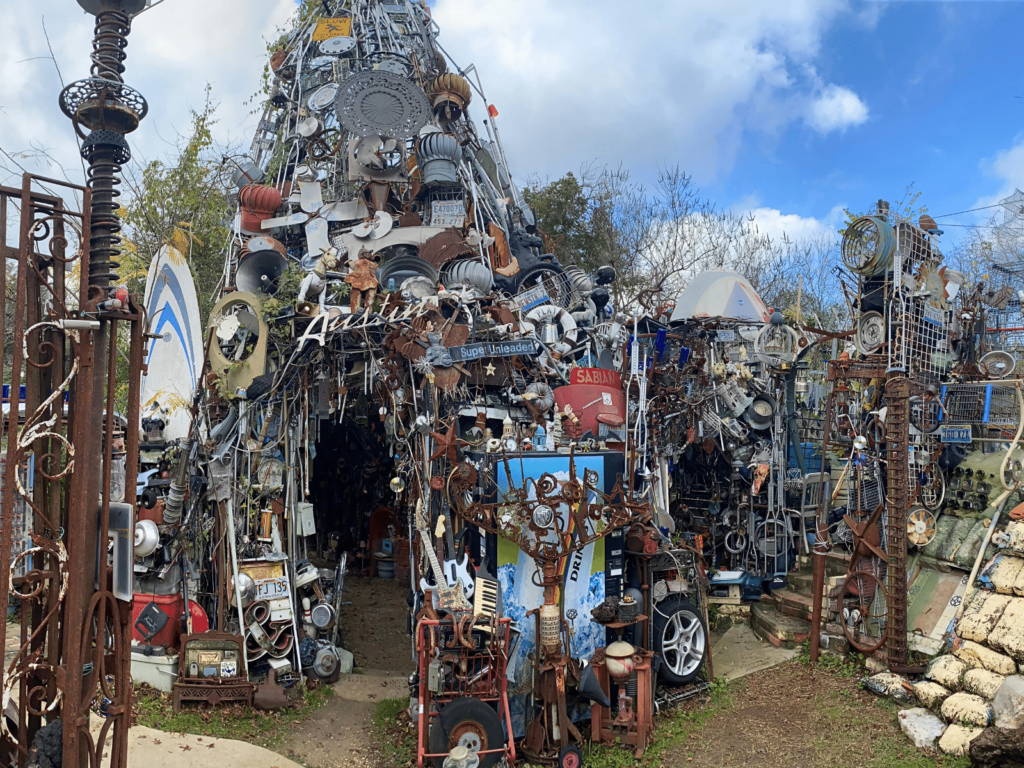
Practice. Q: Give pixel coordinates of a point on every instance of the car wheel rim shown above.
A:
(682, 643)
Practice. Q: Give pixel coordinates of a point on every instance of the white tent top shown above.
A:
(727, 295)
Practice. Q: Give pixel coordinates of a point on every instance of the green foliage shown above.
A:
(266, 729)
(850, 665)
(392, 729)
(179, 200)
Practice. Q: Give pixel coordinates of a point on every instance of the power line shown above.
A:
(972, 210)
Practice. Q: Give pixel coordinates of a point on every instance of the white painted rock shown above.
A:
(974, 655)
(967, 708)
(982, 683)
(346, 661)
(1008, 704)
(982, 615)
(1016, 532)
(921, 727)
(887, 684)
(1004, 573)
(956, 739)
(1018, 585)
(931, 694)
(1008, 635)
(947, 671)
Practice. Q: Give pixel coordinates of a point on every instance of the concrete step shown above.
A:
(793, 604)
(776, 628)
(801, 582)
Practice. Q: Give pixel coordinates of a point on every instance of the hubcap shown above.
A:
(682, 643)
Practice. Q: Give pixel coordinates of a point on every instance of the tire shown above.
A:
(570, 757)
(680, 638)
(471, 723)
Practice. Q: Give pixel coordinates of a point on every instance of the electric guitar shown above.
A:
(454, 569)
(451, 599)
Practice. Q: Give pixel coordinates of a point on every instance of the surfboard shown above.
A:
(175, 358)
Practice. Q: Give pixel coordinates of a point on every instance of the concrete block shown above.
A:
(982, 615)
(956, 739)
(967, 708)
(888, 684)
(975, 655)
(346, 661)
(982, 682)
(947, 671)
(1004, 573)
(1008, 704)
(921, 727)
(1015, 530)
(1008, 634)
(931, 694)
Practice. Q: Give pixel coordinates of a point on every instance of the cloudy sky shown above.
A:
(791, 110)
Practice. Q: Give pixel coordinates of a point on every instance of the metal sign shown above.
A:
(482, 349)
(447, 213)
(595, 376)
(531, 298)
(328, 28)
(955, 434)
(725, 336)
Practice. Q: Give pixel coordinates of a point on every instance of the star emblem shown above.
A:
(448, 444)
(489, 369)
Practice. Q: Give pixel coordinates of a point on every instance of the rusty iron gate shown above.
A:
(73, 636)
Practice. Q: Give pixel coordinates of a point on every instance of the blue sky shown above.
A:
(790, 110)
(941, 82)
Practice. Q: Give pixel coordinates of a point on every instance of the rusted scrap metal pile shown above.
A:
(398, 382)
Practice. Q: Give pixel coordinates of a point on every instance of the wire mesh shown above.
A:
(978, 404)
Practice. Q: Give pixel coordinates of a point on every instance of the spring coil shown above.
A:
(104, 241)
(110, 38)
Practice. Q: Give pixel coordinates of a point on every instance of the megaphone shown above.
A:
(259, 270)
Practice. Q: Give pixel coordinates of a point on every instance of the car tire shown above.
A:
(680, 639)
(471, 723)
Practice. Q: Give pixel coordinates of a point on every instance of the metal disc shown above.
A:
(335, 46)
(323, 97)
(382, 103)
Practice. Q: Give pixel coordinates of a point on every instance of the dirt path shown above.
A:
(792, 716)
(373, 628)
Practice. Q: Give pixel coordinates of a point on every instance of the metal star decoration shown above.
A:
(490, 369)
(448, 444)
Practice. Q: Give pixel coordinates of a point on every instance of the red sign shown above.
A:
(597, 376)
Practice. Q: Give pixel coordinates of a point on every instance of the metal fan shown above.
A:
(920, 526)
(378, 153)
(375, 228)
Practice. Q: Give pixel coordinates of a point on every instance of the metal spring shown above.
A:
(104, 241)
(110, 38)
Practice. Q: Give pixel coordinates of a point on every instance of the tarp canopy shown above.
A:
(726, 295)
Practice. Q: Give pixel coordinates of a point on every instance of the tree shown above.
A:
(180, 200)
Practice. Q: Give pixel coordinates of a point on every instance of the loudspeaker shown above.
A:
(259, 270)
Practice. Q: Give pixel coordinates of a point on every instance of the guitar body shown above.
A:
(452, 600)
(455, 572)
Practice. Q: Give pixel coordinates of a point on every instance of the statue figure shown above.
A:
(362, 277)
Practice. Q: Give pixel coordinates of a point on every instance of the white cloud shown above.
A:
(579, 80)
(794, 227)
(836, 108)
(173, 51)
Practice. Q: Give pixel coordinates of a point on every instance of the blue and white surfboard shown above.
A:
(174, 360)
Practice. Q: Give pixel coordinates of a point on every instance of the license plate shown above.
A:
(955, 434)
(725, 335)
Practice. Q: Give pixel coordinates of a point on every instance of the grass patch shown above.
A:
(153, 709)
(845, 666)
(673, 729)
(395, 732)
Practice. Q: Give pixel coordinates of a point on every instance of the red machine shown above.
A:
(467, 680)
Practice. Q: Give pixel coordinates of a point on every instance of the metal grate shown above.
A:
(980, 404)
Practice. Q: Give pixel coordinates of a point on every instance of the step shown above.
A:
(801, 582)
(793, 604)
(776, 628)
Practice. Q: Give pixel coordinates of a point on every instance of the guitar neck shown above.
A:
(432, 557)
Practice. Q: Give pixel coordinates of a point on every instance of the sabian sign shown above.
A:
(482, 349)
